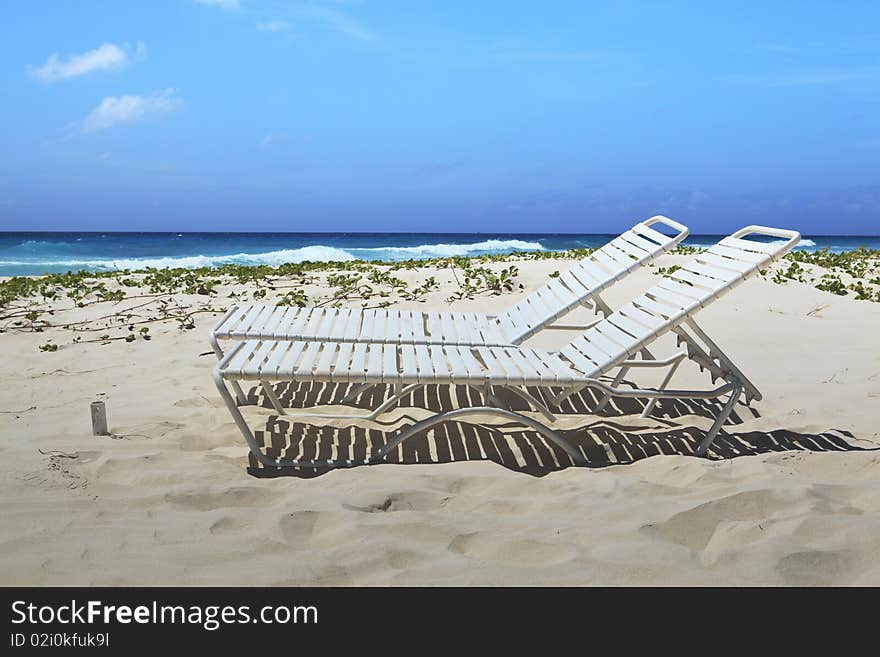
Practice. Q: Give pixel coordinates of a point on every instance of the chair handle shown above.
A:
(792, 237)
(681, 229)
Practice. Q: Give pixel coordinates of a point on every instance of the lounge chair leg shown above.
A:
(653, 402)
(490, 396)
(239, 419)
(372, 415)
(215, 345)
(576, 455)
(565, 394)
(358, 389)
(267, 388)
(607, 396)
(533, 401)
(721, 419)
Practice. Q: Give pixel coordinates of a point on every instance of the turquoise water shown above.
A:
(42, 252)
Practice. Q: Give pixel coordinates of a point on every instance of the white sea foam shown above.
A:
(803, 244)
(313, 253)
(446, 250)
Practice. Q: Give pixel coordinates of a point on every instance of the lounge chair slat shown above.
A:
(254, 367)
(359, 362)
(665, 310)
(248, 320)
(403, 328)
(314, 320)
(342, 366)
(632, 252)
(273, 320)
(323, 326)
(302, 318)
(426, 369)
(612, 266)
(711, 284)
(374, 361)
(449, 332)
(544, 374)
(565, 297)
(418, 326)
(651, 234)
(288, 360)
(589, 273)
(577, 288)
(520, 370)
(270, 367)
(679, 288)
(390, 371)
(326, 359)
(309, 358)
(457, 367)
(439, 362)
(608, 329)
(353, 328)
(574, 352)
(234, 320)
(739, 254)
(241, 358)
(464, 328)
(494, 371)
(624, 323)
(337, 329)
(649, 320)
(749, 245)
(408, 356)
(710, 271)
(645, 245)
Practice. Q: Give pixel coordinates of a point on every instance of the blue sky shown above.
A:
(403, 115)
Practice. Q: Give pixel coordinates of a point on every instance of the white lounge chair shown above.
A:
(611, 343)
(580, 285)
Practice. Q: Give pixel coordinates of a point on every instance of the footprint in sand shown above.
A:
(233, 497)
(405, 501)
(816, 568)
(519, 553)
(695, 527)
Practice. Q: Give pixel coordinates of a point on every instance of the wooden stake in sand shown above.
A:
(99, 419)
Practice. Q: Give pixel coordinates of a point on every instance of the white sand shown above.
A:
(170, 500)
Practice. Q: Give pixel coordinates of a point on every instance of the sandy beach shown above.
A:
(790, 494)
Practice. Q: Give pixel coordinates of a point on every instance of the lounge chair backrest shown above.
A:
(632, 249)
(709, 275)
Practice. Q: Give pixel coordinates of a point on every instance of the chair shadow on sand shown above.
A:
(603, 441)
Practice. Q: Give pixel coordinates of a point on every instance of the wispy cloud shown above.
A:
(778, 47)
(273, 26)
(117, 110)
(270, 139)
(808, 77)
(549, 56)
(229, 5)
(341, 23)
(106, 57)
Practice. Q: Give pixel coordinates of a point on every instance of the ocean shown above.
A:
(23, 253)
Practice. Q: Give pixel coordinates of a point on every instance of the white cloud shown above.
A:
(342, 23)
(223, 4)
(809, 77)
(115, 110)
(273, 26)
(106, 57)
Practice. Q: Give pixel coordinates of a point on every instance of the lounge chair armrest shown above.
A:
(681, 229)
(226, 315)
(792, 237)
